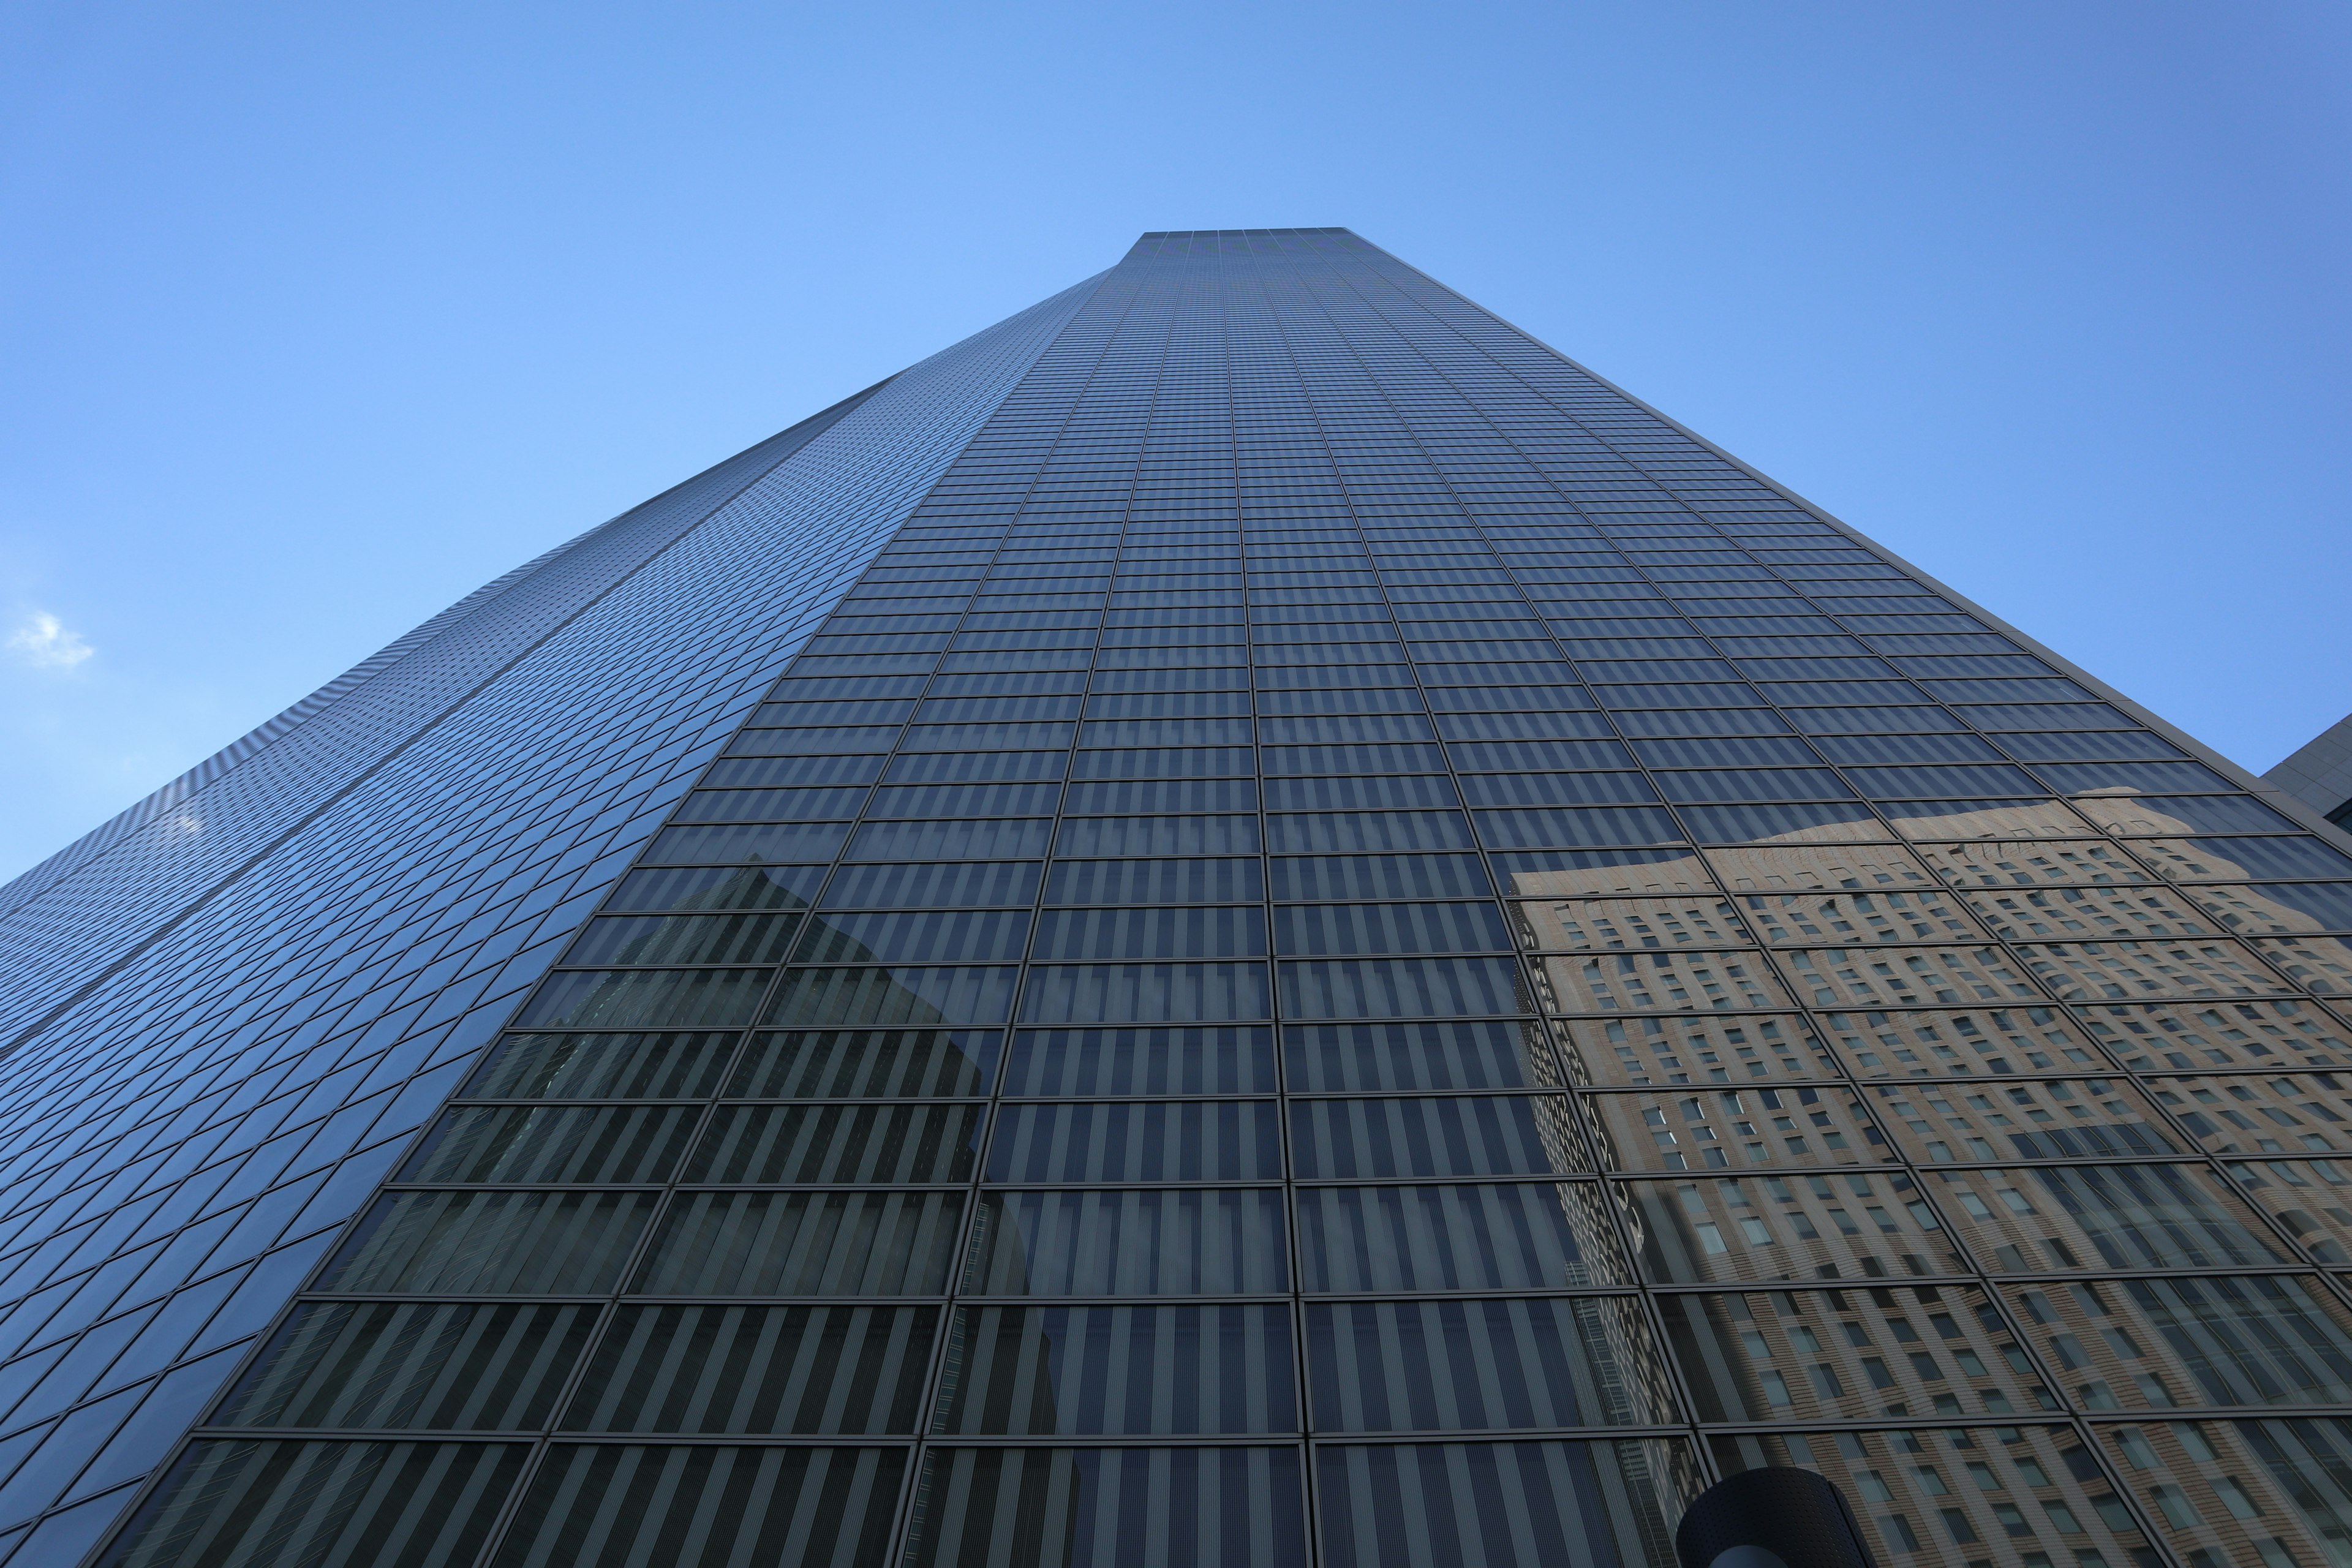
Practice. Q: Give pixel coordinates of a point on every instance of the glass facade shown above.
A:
(1247, 920)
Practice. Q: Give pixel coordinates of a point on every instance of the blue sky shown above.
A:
(317, 316)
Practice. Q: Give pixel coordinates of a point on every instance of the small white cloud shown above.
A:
(42, 641)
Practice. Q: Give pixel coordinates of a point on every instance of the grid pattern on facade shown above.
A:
(181, 1143)
(1352, 950)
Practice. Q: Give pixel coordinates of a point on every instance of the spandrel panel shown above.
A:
(919, 936)
(804, 1371)
(1866, 1227)
(685, 939)
(2262, 1339)
(872, 1145)
(636, 1503)
(2320, 964)
(1084, 1370)
(1224, 1507)
(1955, 1497)
(1907, 976)
(1130, 1243)
(436, 1367)
(1466, 1366)
(2311, 1199)
(1653, 982)
(1431, 1055)
(1963, 1044)
(732, 887)
(2022, 1118)
(851, 1064)
(1458, 1236)
(644, 998)
(2247, 860)
(1402, 1505)
(604, 1067)
(1196, 1059)
(1132, 1140)
(1696, 1129)
(1852, 1354)
(2140, 969)
(2277, 1113)
(1431, 1135)
(2231, 1492)
(1700, 918)
(802, 1244)
(2280, 909)
(2088, 912)
(286, 1501)
(2148, 1037)
(553, 1143)
(2034, 1219)
(496, 1243)
(1658, 1049)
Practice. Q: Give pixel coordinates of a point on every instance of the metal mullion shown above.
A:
(1294, 1308)
(902, 1521)
(1595, 1147)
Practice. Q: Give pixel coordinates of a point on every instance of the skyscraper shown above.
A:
(1247, 921)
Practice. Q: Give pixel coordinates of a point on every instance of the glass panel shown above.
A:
(631, 1143)
(801, 1370)
(2029, 1495)
(381, 1363)
(840, 1064)
(1130, 1142)
(603, 1066)
(1128, 1244)
(1470, 1365)
(1207, 1060)
(1503, 1505)
(1851, 1225)
(2138, 1344)
(1087, 1370)
(2312, 1198)
(2045, 1119)
(282, 1504)
(2083, 1216)
(1677, 1048)
(1109, 1508)
(643, 1506)
(1881, 1350)
(1483, 1135)
(1500, 1236)
(875, 1144)
(490, 1243)
(803, 1244)
(1653, 982)
(1716, 1128)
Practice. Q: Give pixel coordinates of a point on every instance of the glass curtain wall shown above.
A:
(1352, 950)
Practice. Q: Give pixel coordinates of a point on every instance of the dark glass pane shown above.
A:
(866, 1143)
(1129, 1142)
(1079, 1370)
(704, 1507)
(1128, 1244)
(490, 1243)
(1108, 1508)
(1515, 1236)
(685, 939)
(603, 1066)
(803, 1244)
(387, 1365)
(284, 1504)
(636, 1143)
(1204, 1061)
(808, 1371)
(845, 1064)
(1460, 1366)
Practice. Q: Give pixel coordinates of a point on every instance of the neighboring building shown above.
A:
(2320, 773)
(1247, 921)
